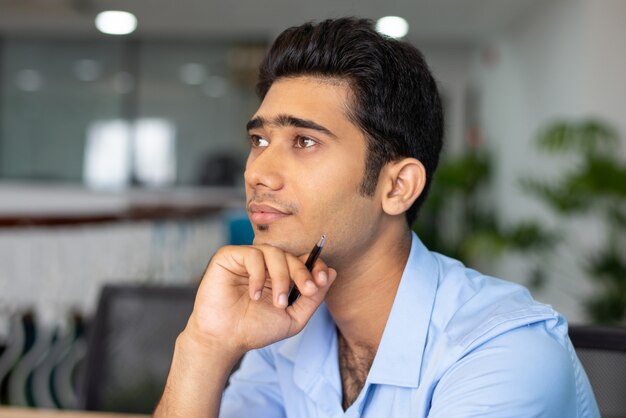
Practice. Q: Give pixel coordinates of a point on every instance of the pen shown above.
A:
(315, 253)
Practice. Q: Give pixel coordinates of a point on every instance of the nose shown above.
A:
(265, 170)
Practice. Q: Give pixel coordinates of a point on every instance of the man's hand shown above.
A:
(242, 301)
(241, 304)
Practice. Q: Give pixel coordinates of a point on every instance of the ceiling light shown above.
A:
(116, 22)
(393, 26)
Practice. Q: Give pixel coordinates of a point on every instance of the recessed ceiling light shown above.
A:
(116, 22)
(393, 26)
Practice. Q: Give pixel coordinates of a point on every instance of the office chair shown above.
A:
(130, 346)
(602, 352)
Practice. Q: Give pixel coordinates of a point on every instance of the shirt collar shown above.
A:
(399, 356)
(318, 330)
(315, 370)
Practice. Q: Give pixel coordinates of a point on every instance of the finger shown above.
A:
(302, 278)
(278, 270)
(319, 266)
(304, 307)
(320, 273)
(254, 263)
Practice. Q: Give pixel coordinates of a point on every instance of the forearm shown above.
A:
(196, 380)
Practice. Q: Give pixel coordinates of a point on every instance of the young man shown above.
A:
(345, 143)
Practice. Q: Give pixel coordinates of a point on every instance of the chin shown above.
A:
(288, 246)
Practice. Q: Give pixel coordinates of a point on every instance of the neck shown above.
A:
(363, 293)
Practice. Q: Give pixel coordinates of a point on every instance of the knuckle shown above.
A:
(255, 250)
(302, 273)
(319, 263)
(222, 251)
(273, 251)
(280, 279)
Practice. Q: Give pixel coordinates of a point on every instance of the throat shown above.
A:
(354, 366)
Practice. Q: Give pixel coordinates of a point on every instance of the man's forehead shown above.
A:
(317, 100)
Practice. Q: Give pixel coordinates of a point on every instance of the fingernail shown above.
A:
(257, 295)
(322, 277)
(282, 299)
(310, 285)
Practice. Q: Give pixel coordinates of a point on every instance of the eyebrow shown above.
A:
(288, 120)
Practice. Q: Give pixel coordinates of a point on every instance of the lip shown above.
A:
(265, 214)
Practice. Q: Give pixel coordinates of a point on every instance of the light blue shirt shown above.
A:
(456, 344)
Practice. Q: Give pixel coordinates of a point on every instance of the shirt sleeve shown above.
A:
(523, 373)
(253, 389)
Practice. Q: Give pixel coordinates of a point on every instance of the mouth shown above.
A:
(263, 214)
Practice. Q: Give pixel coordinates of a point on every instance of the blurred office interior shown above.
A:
(121, 157)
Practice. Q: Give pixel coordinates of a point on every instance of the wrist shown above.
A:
(197, 377)
(203, 349)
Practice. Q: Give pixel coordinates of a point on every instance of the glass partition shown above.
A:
(153, 113)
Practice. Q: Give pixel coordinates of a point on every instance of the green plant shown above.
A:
(595, 187)
(459, 220)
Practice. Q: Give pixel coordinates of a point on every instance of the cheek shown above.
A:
(340, 209)
(337, 184)
(345, 171)
(334, 187)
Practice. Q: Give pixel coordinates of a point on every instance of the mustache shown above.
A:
(268, 198)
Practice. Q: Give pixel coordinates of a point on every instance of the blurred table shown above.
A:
(49, 413)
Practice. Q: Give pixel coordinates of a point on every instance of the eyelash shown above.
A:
(255, 139)
(305, 138)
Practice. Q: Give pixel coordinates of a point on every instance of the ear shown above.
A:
(403, 183)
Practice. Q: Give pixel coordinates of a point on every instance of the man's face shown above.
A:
(306, 163)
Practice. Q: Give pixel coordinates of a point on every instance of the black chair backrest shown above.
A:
(131, 342)
(602, 352)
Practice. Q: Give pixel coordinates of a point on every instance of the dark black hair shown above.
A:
(395, 97)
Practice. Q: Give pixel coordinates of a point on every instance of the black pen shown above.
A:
(315, 253)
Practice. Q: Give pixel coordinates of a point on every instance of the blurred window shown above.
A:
(154, 152)
(50, 93)
(108, 155)
(61, 100)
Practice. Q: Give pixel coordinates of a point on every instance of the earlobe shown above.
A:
(406, 181)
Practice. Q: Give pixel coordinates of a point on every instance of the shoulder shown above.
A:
(525, 371)
(472, 308)
(504, 351)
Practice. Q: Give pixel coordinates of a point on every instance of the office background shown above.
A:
(121, 156)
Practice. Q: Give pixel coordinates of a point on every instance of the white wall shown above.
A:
(605, 61)
(450, 65)
(564, 60)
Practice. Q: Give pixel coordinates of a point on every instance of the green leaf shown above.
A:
(564, 199)
(463, 173)
(530, 236)
(607, 308)
(483, 244)
(609, 267)
(587, 137)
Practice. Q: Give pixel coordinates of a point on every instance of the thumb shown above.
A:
(305, 306)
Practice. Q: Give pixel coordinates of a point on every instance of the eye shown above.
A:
(304, 142)
(258, 141)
